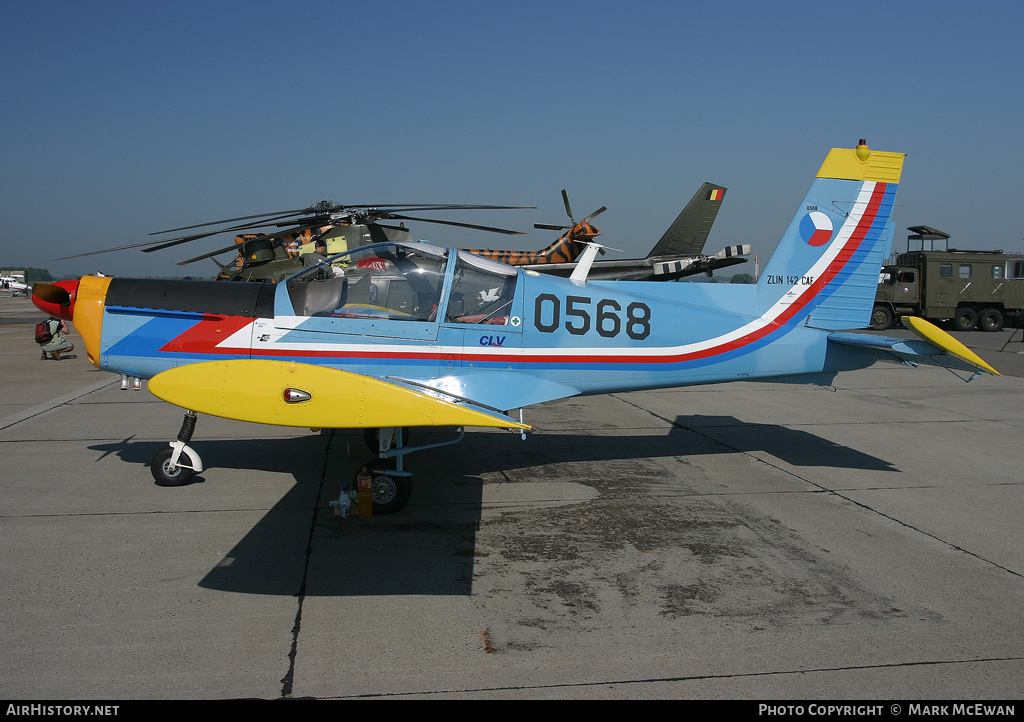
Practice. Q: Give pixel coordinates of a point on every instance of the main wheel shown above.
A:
(390, 492)
(160, 466)
(990, 319)
(965, 319)
(881, 318)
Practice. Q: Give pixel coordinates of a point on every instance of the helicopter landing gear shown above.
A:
(176, 463)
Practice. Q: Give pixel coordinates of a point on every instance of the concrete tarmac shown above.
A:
(741, 541)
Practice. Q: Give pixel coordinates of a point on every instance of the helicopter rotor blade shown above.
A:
(158, 245)
(323, 213)
(568, 212)
(326, 207)
(282, 214)
(106, 250)
(306, 223)
(241, 227)
(195, 237)
(235, 247)
(238, 247)
(461, 225)
(445, 207)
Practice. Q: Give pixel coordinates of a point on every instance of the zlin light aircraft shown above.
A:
(412, 334)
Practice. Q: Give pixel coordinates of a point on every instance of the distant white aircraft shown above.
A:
(18, 288)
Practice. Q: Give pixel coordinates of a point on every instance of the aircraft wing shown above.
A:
(493, 389)
(287, 393)
(934, 347)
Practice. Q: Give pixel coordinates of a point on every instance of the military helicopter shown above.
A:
(678, 253)
(276, 255)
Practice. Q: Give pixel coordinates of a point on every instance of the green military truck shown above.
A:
(973, 289)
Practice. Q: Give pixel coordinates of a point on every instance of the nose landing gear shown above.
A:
(176, 463)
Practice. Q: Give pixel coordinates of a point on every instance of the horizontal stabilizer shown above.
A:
(732, 251)
(666, 268)
(933, 334)
(935, 347)
(286, 393)
(677, 268)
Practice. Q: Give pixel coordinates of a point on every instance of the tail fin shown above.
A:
(824, 272)
(689, 231)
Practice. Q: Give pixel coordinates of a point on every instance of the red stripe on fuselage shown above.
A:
(203, 337)
(847, 252)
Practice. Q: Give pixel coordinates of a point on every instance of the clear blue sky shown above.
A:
(123, 118)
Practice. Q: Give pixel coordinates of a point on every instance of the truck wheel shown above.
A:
(965, 319)
(881, 318)
(990, 319)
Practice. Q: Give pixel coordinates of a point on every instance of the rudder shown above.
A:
(824, 272)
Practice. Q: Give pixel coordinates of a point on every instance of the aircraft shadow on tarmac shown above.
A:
(300, 547)
(793, 446)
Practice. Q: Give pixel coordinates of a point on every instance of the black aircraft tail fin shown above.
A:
(689, 231)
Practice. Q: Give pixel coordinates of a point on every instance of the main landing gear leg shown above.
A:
(176, 463)
(390, 483)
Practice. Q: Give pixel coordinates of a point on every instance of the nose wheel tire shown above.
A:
(166, 475)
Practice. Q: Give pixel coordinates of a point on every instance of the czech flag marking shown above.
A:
(816, 228)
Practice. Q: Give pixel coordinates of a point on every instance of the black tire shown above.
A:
(990, 319)
(881, 318)
(163, 477)
(965, 320)
(390, 492)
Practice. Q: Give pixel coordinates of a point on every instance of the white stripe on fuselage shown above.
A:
(242, 339)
